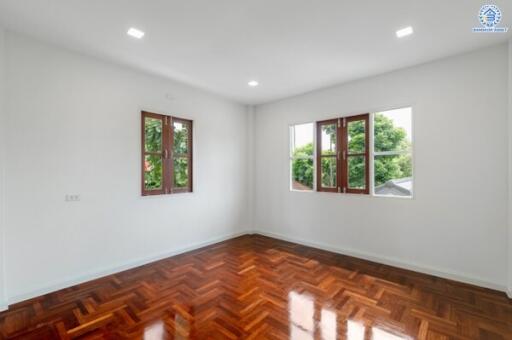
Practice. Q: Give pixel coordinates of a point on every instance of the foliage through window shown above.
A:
(393, 152)
(166, 154)
(327, 155)
(301, 157)
(356, 137)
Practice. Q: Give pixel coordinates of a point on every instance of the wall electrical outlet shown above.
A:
(72, 198)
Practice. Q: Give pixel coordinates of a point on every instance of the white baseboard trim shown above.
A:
(460, 277)
(116, 269)
(363, 255)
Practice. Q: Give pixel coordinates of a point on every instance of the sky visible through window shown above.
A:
(401, 118)
(303, 134)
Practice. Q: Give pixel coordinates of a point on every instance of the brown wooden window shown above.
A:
(327, 155)
(166, 154)
(343, 155)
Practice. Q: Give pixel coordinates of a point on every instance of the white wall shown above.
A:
(3, 302)
(510, 168)
(74, 127)
(456, 225)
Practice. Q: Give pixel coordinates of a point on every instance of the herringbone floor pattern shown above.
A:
(254, 287)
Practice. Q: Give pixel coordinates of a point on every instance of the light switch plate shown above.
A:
(72, 198)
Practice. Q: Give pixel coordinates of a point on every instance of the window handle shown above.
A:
(166, 153)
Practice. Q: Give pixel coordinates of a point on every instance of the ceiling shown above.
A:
(289, 46)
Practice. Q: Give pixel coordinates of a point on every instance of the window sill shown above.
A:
(308, 191)
(392, 196)
(352, 194)
(179, 193)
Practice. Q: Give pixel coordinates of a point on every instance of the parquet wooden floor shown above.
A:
(254, 287)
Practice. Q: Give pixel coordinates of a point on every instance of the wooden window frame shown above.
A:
(166, 154)
(319, 156)
(342, 154)
(346, 155)
(188, 155)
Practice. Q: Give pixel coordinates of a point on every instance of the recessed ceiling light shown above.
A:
(135, 33)
(253, 83)
(404, 32)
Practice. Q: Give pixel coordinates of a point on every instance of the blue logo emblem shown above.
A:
(489, 17)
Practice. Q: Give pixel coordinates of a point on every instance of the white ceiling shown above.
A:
(289, 46)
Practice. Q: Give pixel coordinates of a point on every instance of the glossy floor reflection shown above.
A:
(254, 287)
(303, 310)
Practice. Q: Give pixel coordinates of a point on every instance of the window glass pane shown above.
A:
(302, 140)
(393, 130)
(302, 174)
(356, 136)
(153, 172)
(181, 131)
(153, 134)
(328, 139)
(301, 151)
(181, 172)
(393, 175)
(329, 172)
(356, 172)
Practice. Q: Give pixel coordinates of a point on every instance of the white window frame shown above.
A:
(374, 154)
(291, 147)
